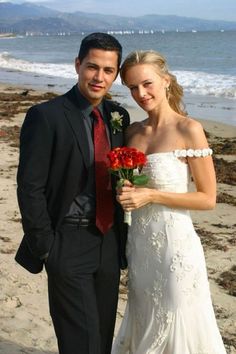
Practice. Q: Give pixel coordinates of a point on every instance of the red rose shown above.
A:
(125, 158)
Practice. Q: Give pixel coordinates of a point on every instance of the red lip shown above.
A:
(144, 101)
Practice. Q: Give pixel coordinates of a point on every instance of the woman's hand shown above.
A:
(131, 197)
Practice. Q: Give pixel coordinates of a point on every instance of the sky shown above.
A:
(205, 9)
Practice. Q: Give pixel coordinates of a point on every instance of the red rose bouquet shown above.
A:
(126, 163)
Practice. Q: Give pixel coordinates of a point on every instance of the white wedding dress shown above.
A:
(169, 308)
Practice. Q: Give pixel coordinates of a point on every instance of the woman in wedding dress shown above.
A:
(169, 308)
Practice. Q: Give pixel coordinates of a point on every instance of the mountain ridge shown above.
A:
(28, 17)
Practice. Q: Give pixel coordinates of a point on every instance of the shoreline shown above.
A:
(203, 107)
(206, 109)
(25, 324)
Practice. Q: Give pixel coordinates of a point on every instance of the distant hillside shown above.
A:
(12, 13)
(28, 17)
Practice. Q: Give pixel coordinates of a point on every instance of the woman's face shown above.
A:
(147, 87)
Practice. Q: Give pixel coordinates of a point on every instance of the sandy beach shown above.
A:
(25, 324)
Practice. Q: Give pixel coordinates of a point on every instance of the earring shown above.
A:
(168, 92)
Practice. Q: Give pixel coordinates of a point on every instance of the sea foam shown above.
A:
(200, 83)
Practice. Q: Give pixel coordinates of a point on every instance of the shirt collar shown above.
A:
(85, 106)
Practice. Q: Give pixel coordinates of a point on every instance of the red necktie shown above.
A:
(104, 202)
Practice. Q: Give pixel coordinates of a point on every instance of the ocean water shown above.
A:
(204, 62)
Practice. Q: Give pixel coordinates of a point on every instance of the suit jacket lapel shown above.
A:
(76, 121)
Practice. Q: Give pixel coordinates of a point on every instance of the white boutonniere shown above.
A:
(116, 122)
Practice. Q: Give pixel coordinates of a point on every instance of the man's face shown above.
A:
(96, 73)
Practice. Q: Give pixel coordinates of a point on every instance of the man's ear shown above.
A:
(77, 64)
(117, 73)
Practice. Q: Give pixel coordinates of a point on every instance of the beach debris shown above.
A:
(227, 280)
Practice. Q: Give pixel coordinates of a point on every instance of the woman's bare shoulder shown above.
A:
(192, 131)
(189, 126)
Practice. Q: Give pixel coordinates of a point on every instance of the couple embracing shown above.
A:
(72, 214)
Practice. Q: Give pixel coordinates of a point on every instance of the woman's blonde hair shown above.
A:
(174, 92)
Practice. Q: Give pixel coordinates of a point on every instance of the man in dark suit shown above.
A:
(71, 220)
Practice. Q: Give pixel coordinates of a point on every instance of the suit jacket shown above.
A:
(52, 168)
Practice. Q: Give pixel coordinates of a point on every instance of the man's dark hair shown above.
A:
(102, 41)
